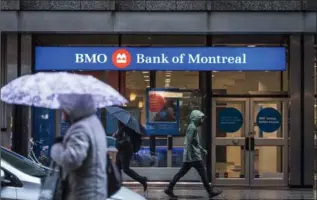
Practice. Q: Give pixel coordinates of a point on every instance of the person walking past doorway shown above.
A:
(193, 156)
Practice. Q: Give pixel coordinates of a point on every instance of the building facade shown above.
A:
(246, 153)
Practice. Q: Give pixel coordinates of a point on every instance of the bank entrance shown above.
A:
(249, 141)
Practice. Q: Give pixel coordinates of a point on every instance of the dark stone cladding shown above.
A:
(160, 5)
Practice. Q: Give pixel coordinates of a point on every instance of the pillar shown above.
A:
(295, 122)
(308, 111)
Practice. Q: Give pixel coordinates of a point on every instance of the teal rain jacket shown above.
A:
(192, 148)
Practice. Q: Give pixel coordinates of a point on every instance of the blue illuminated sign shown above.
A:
(161, 58)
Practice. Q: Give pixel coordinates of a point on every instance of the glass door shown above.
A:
(269, 142)
(230, 157)
(250, 141)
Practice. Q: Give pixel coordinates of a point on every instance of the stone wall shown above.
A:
(162, 5)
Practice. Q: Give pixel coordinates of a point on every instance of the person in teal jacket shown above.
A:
(193, 156)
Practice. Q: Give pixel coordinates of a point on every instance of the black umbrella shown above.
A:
(126, 118)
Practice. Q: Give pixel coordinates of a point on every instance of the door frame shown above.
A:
(249, 179)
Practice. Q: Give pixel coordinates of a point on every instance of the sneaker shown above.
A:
(214, 193)
(170, 193)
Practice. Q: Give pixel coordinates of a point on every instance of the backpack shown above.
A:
(134, 138)
(114, 177)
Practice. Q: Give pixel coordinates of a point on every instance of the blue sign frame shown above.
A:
(162, 128)
(161, 58)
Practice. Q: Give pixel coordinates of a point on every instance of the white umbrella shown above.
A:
(42, 90)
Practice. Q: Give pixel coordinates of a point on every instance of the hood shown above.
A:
(195, 116)
(77, 106)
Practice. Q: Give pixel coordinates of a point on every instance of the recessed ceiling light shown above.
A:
(146, 80)
(145, 72)
(214, 71)
(168, 75)
(213, 76)
(146, 76)
(251, 45)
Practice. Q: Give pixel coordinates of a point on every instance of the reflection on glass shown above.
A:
(268, 162)
(230, 162)
(233, 132)
(259, 133)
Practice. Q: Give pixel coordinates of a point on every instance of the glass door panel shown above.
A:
(229, 155)
(268, 121)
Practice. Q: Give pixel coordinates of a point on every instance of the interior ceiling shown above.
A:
(136, 81)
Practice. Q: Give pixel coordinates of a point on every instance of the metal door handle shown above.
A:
(247, 144)
(252, 145)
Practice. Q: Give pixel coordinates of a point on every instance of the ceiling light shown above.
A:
(147, 80)
(215, 71)
(213, 76)
(145, 72)
(251, 45)
(146, 76)
(167, 80)
(169, 71)
(168, 75)
(132, 96)
(140, 104)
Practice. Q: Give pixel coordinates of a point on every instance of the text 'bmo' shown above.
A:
(90, 58)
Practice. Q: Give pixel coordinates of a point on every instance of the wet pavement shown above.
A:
(232, 194)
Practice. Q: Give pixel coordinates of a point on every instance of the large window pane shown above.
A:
(246, 82)
(136, 83)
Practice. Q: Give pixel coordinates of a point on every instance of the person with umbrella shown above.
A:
(129, 141)
(81, 153)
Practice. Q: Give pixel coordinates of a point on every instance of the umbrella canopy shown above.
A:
(42, 90)
(126, 118)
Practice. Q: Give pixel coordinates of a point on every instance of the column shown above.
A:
(308, 110)
(295, 110)
(205, 89)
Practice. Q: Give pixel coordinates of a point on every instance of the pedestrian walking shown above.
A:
(125, 148)
(193, 156)
(81, 153)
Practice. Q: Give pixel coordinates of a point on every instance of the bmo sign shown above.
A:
(90, 58)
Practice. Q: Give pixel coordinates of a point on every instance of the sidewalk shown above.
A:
(197, 193)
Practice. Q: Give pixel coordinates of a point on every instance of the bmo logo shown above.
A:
(121, 58)
(90, 58)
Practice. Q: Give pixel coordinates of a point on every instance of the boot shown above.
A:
(170, 193)
(213, 193)
(144, 183)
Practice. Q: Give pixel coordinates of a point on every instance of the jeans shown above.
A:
(123, 163)
(199, 166)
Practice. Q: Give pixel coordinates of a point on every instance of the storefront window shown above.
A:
(247, 82)
(136, 83)
(188, 82)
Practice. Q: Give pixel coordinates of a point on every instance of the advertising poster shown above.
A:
(162, 111)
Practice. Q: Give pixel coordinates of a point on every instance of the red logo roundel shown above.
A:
(121, 58)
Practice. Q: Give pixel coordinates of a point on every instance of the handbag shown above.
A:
(114, 177)
(52, 186)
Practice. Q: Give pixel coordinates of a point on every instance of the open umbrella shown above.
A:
(42, 90)
(126, 118)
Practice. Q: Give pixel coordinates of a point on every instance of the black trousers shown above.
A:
(123, 163)
(199, 166)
